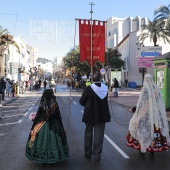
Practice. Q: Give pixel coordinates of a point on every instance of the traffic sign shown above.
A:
(149, 51)
(143, 65)
(102, 71)
(144, 59)
(150, 48)
(155, 54)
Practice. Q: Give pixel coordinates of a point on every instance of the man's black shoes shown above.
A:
(97, 159)
(87, 156)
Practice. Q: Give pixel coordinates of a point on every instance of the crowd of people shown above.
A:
(74, 83)
(47, 141)
(148, 128)
(7, 88)
(10, 88)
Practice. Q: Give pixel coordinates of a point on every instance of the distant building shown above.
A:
(46, 65)
(122, 34)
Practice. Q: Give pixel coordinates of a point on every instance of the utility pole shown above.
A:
(91, 42)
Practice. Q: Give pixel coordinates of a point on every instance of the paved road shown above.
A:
(116, 155)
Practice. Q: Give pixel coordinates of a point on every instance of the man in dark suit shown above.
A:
(96, 114)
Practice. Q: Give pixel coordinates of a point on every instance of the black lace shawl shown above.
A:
(53, 115)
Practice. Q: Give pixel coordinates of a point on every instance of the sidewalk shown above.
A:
(129, 98)
(8, 100)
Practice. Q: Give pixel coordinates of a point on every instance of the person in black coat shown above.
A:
(45, 84)
(116, 86)
(2, 87)
(96, 114)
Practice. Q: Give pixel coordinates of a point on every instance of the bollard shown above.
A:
(0, 100)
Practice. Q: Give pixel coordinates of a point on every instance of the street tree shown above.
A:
(72, 58)
(72, 61)
(162, 13)
(153, 30)
(5, 41)
(113, 58)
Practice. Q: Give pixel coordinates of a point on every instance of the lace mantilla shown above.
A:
(150, 111)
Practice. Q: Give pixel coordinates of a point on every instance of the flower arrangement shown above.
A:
(32, 116)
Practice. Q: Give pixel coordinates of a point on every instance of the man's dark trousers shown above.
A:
(93, 143)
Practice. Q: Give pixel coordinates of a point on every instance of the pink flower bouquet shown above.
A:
(32, 116)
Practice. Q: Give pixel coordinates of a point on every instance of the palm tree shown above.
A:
(154, 30)
(5, 41)
(162, 13)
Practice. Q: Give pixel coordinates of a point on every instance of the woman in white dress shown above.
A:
(148, 128)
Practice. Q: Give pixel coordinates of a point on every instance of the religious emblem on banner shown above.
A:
(95, 51)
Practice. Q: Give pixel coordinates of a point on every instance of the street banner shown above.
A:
(98, 41)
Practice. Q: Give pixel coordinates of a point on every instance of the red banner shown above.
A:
(98, 41)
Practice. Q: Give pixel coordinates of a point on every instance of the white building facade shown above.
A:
(19, 62)
(122, 34)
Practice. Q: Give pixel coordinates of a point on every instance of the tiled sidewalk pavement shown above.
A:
(129, 97)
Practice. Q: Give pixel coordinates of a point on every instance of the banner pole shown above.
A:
(91, 64)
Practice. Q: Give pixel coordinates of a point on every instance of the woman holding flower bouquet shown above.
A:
(47, 141)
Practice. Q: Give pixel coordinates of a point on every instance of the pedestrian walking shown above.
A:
(88, 83)
(13, 88)
(8, 88)
(39, 81)
(115, 87)
(45, 84)
(47, 141)
(96, 114)
(2, 87)
(126, 82)
(148, 128)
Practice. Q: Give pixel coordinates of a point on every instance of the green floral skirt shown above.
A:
(49, 146)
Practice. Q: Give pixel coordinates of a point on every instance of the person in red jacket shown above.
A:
(96, 114)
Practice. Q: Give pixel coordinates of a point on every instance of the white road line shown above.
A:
(116, 147)
(74, 102)
(12, 115)
(5, 124)
(70, 97)
(20, 101)
(20, 121)
(11, 123)
(2, 134)
(26, 113)
(12, 110)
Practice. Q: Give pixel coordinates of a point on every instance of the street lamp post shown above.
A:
(91, 43)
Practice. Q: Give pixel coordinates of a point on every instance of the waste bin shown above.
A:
(129, 84)
(133, 85)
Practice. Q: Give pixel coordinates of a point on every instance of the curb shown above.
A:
(168, 118)
(120, 103)
(8, 101)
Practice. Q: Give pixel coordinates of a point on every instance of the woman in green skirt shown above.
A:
(47, 141)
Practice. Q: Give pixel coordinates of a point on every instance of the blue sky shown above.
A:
(15, 15)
